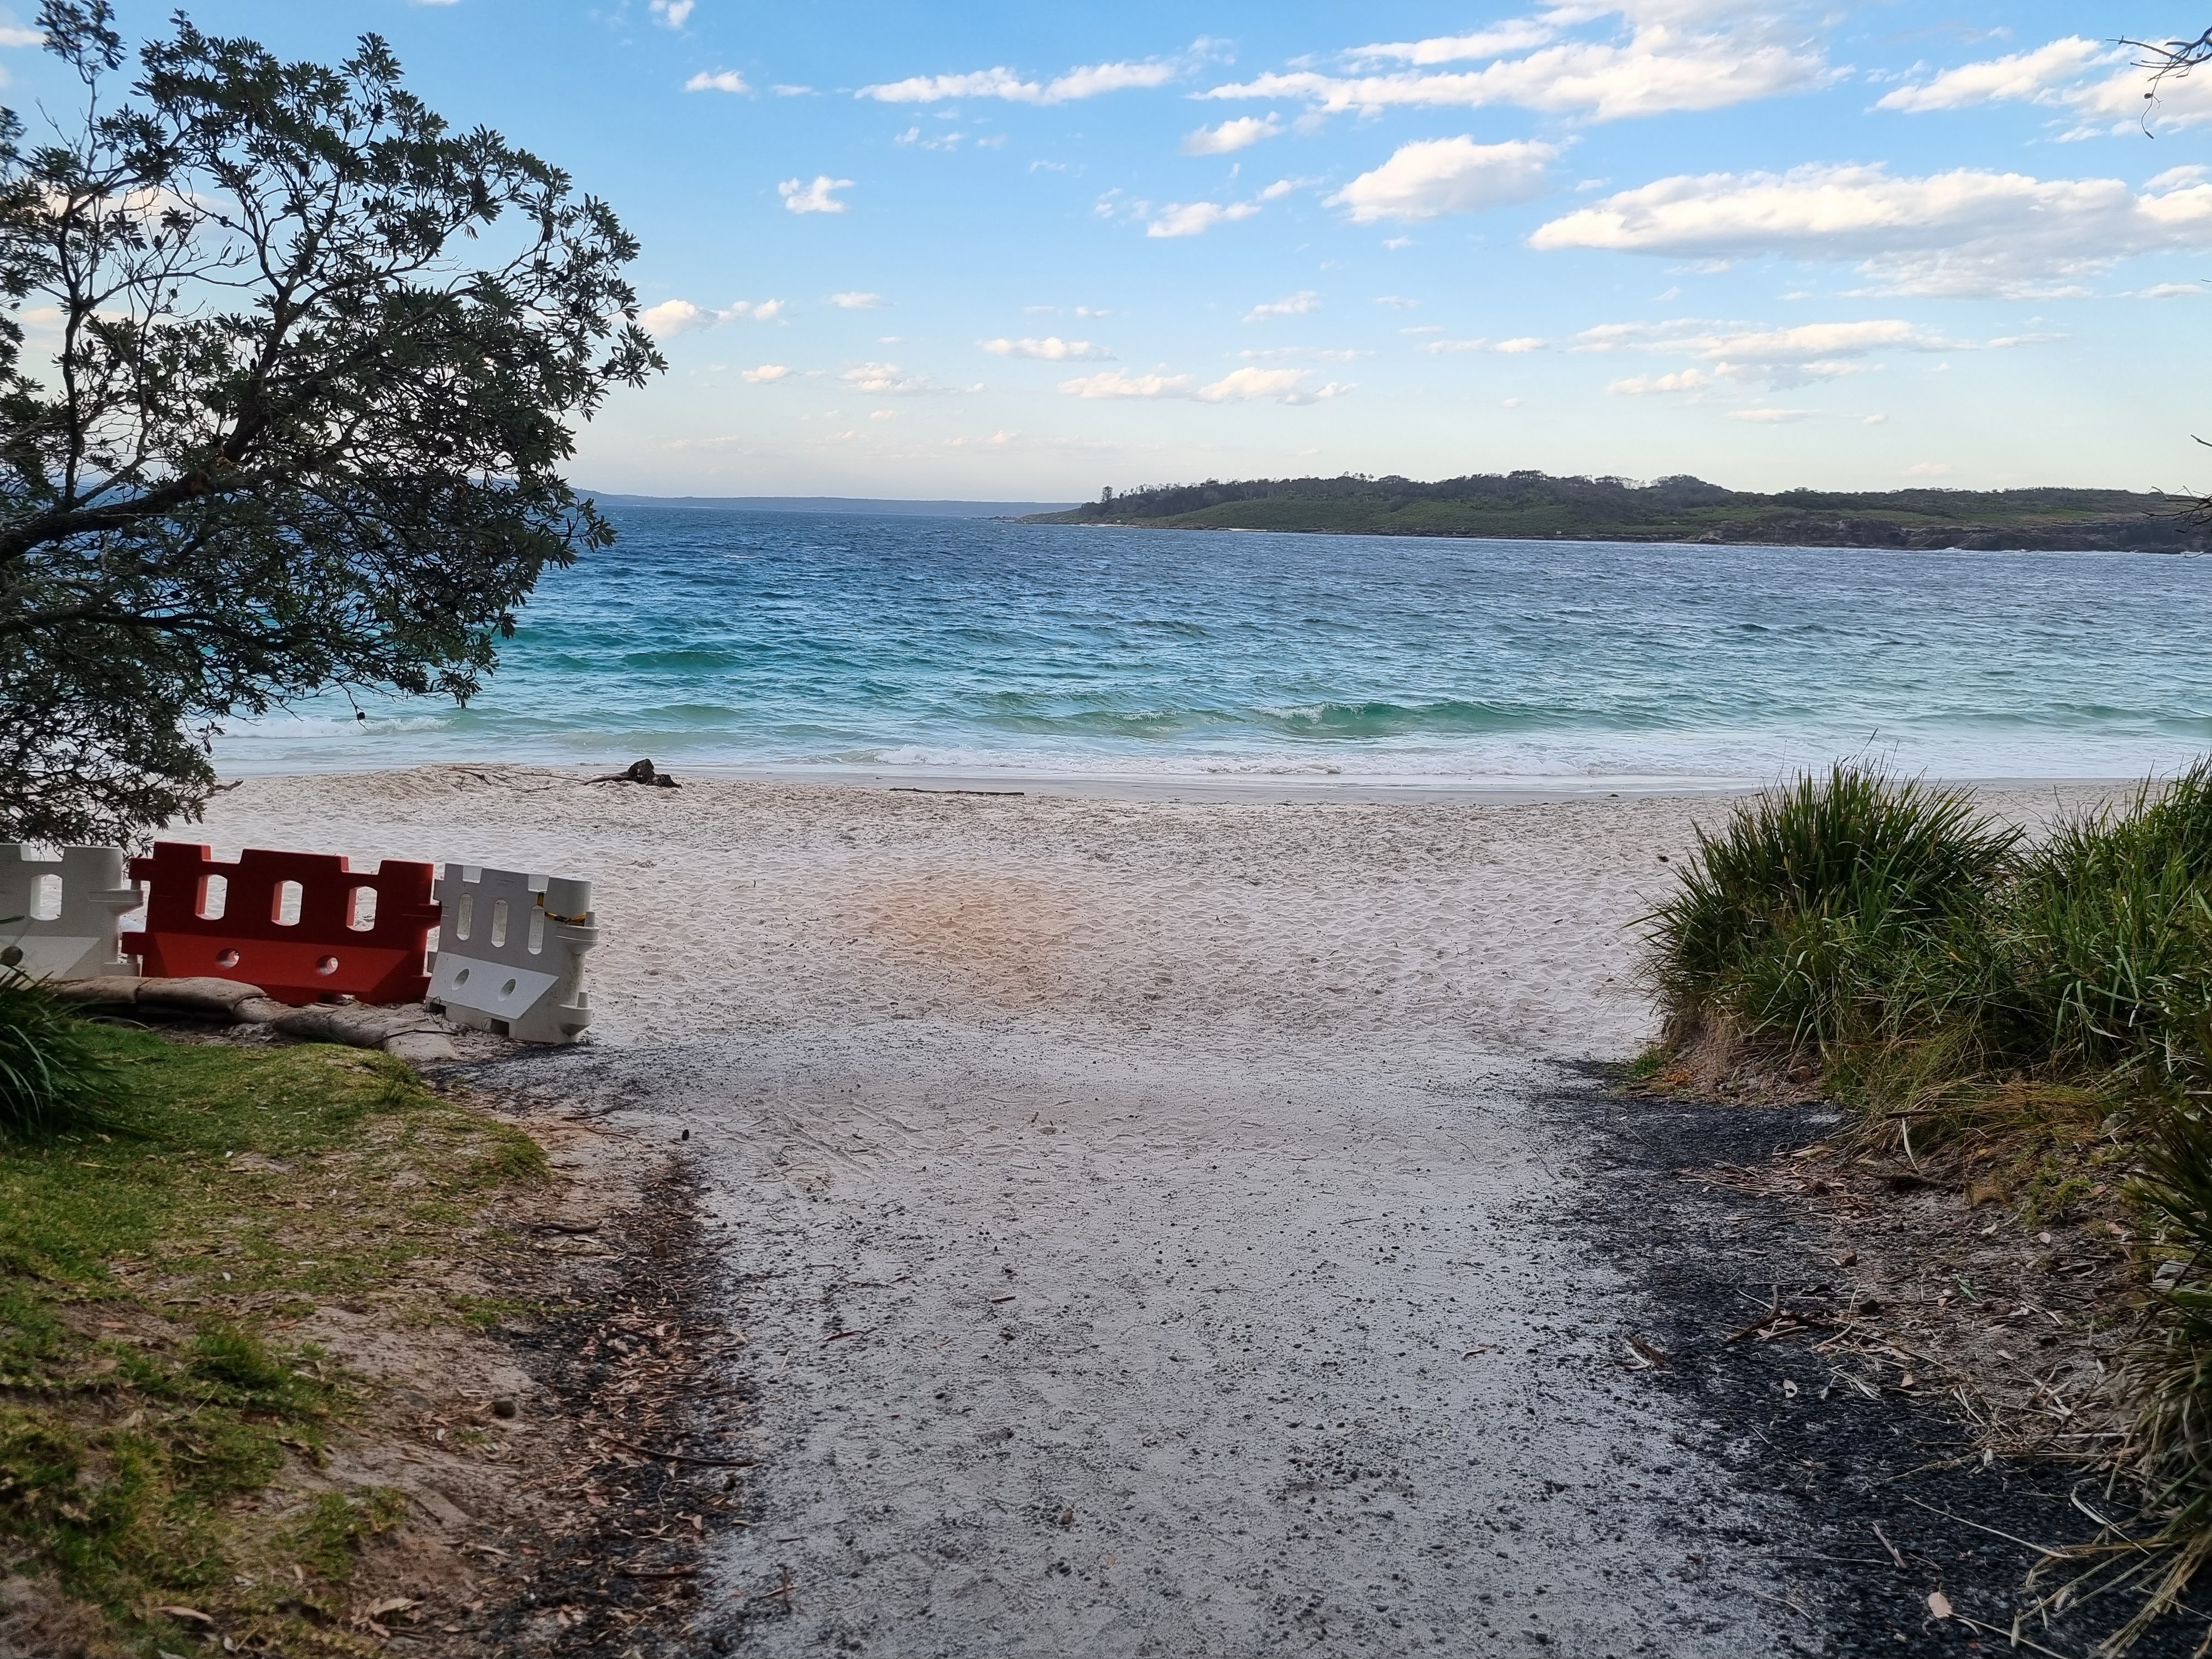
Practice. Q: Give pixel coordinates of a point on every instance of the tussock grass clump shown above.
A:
(2043, 1014)
(55, 1075)
(1839, 909)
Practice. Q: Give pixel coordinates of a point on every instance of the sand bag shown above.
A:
(511, 953)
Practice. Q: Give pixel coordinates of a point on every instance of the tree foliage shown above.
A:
(287, 370)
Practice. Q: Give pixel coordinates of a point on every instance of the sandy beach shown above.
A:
(1145, 1218)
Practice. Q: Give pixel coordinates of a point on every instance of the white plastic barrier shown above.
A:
(65, 912)
(511, 953)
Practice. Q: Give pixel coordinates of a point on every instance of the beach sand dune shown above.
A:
(1145, 1219)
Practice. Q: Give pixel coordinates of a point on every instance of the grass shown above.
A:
(162, 1429)
(2039, 1018)
(54, 1074)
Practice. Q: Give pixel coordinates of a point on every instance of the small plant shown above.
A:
(55, 1078)
(1838, 907)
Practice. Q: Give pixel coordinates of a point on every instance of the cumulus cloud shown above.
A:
(1240, 385)
(1685, 379)
(857, 300)
(672, 14)
(1966, 232)
(1291, 305)
(720, 81)
(1087, 81)
(802, 197)
(1231, 135)
(10, 35)
(1526, 343)
(1519, 35)
(1682, 56)
(2097, 82)
(886, 380)
(767, 374)
(1744, 353)
(673, 316)
(2020, 74)
(1436, 176)
(1196, 218)
(1051, 349)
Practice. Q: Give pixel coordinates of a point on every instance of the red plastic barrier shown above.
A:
(319, 955)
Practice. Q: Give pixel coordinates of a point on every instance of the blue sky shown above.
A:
(1025, 252)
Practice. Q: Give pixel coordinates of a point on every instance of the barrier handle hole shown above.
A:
(327, 965)
(226, 958)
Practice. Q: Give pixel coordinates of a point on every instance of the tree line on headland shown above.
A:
(1536, 505)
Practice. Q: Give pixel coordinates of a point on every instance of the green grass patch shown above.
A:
(161, 1425)
(2034, 1021)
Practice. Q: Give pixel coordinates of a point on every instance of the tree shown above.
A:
(264, 430)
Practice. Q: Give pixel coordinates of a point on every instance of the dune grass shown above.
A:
(2041, 1013)
(162, 1429)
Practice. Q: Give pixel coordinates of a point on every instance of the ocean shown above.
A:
(798, 641)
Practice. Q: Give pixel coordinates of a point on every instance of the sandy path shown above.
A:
(1154, 1351)
(1212, 1278)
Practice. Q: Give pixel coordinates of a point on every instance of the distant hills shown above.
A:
(839, 504)
(1534, 505)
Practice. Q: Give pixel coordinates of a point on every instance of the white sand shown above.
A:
(1146, 1219)
(736, 906)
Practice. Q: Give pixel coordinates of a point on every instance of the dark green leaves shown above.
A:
(299, 417)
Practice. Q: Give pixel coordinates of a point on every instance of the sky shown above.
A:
(1025, 251)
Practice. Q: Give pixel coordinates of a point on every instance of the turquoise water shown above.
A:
(796, 640)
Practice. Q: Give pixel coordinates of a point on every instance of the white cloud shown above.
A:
(857, 300)
(1284, 385)
(2032, 74)
(1513, 348)
(1240, 385)
(12, 36)
(1772, 416)
(1291, 305)
(2172, 291)
(1088, 82)
(2098, 82)
(1518, 35)
(672, 14)
(1282, 187)
(782, 90)
(1114, 383)
(1739, 342)
(767, 373)
(1435, 176)
(720, 81)
(802, 197)
(1744, 353)
(1968, 232)
(886, 380)
(1301, 354)
(1928, 469)
(1661, 67)
(1397, 302)
(1196, 218)
(1686, 379)
(1231, 135)
(673, 316)
(1051, 349)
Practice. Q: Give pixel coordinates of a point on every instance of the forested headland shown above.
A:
(1537, 505)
